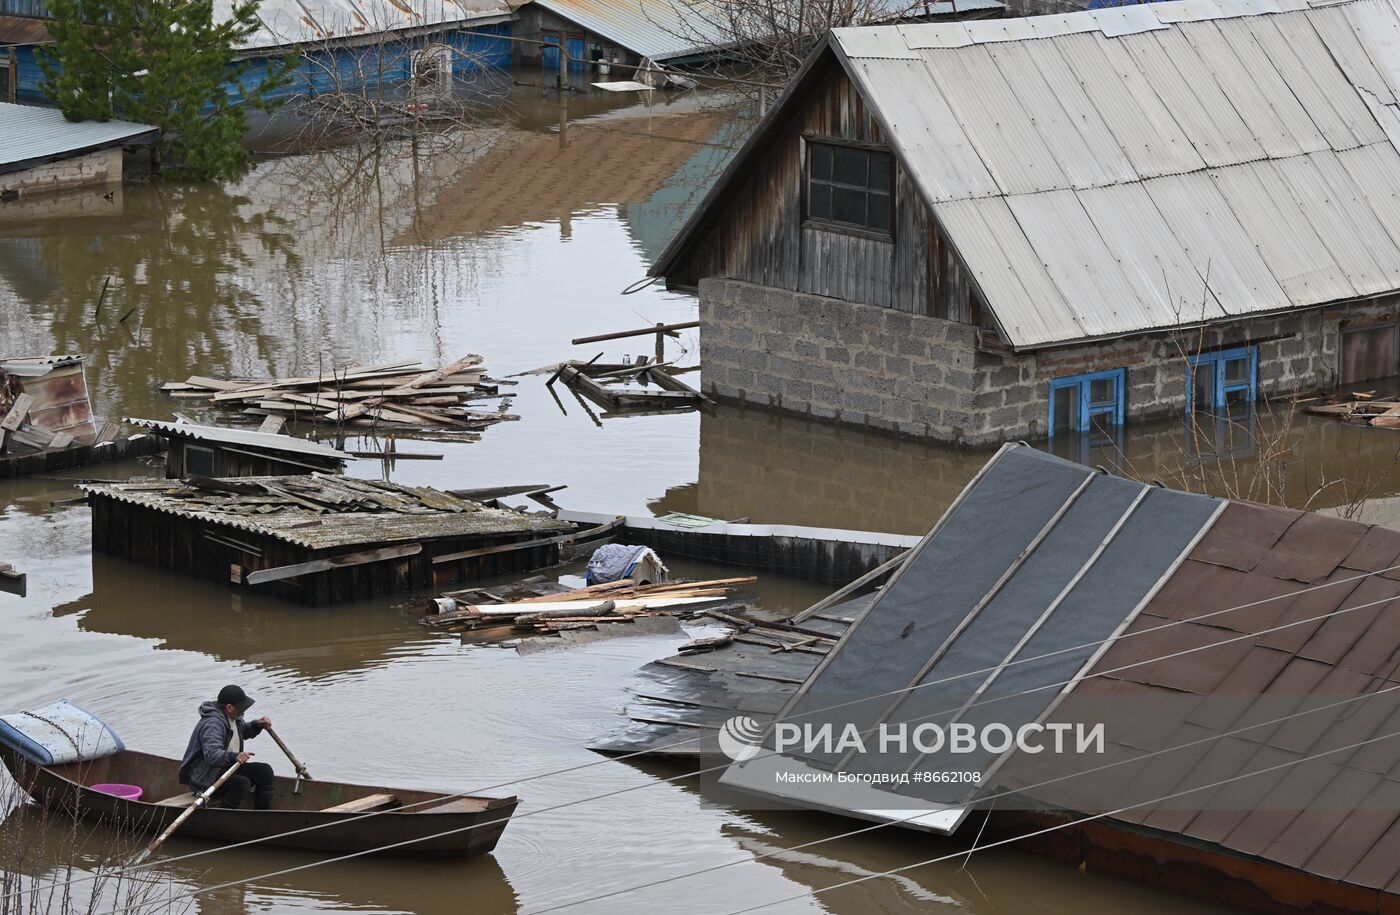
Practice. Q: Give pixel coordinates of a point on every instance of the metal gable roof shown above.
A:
(30, 135)
(288, 22)
(1258, 133)
(221, 435)
(658, 29)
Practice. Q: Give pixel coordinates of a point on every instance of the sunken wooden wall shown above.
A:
(195, 547)
(229, 463)
(756, 234)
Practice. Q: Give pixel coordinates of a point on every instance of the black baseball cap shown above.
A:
(234, 696)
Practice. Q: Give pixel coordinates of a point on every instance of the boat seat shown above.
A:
(373, 802)
(179, 800)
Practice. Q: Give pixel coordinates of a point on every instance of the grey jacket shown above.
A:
(207, 755)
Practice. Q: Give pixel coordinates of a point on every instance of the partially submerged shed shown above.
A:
(317, 539)
(1242, 657)
(41, 151)
(195, 450)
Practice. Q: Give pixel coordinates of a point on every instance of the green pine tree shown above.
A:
(162, 62)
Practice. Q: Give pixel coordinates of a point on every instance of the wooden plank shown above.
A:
(531, 544)
(437, 375)
(60, 441)
(272, 425)
(13, 582)
(17, 413)
(179, 800)
(642, 332)
(262, 576)
(373, 802)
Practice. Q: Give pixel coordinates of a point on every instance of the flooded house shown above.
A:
(194, 450)
(983, 231)
(613, 40)
(1239, 656)
(336, 45)
(42, 152)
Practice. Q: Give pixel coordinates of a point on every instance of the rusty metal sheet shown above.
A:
(1233, 695)
(1300, 840)
(1284, 695)
(61, 402)
(1312, 547)
(1302, 733)
(1379, 757)
(1375, 652)
(1380, 864)
(1197, 671)
(21, 30)
(1262, 525)
(1353, 621)
(1339, 852)
(1378, 549)
(1239, 798)
(1310, 606)
(1276, 810)
(1160, 775)
(1254, 601)
(1225, 550)
(1195, 588)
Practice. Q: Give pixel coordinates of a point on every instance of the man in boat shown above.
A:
(217, 743)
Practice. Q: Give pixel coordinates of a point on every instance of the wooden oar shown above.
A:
(200, 800)
(296, 763)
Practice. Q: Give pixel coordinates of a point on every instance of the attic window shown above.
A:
(849, 186)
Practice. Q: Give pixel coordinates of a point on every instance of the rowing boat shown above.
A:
(440, 825)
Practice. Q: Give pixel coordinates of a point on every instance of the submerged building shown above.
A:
(984, 231)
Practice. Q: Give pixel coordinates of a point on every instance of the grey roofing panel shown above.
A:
(1216, 243)
(1186, 10)
(1375, 25)
(264, 441)
(288, 22)
(28, 133)
(1376, 168)
(935, 149)
(1344, 220)
(881, 42)
(659, 29)
(932, 35)
(1287, 241)
(1151, 258)
(1147, 132)
(981, 648)
(1003, 132)
(1064, 118)
(989, 31)
(1078, 260)
(1323, 90)
(946, 576)
(1266, 101)
(1133, 19)
(1030, 307)
(1203, 109)
(1337, 33)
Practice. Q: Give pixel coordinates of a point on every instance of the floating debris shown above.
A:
(1363, 408)
(648, 386)
(540, 607)
(394, 394)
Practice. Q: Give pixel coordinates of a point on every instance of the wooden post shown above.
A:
(14, 75)
(660, 341)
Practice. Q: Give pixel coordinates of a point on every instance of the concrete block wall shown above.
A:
(96, 168)
(921, 376)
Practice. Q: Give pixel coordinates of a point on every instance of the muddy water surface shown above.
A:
(507, 242)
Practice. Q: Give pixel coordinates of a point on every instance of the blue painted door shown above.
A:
(549, 54)
(576, 52)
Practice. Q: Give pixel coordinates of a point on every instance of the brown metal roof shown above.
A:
(23, 30)
(1337, 817)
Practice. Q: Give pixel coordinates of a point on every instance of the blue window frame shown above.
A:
(1223, 379)
(1086, 403)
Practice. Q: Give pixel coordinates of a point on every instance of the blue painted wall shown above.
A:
(356, 67)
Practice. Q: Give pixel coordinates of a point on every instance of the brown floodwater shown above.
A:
(507, 240)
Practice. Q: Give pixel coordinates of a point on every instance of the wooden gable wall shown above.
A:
(755, 233)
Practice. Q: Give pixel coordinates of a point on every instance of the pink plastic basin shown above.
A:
(126, 792)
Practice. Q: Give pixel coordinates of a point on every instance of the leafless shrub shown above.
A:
(43, 851)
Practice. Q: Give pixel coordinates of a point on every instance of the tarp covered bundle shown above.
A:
(616, 561)
(59, 733)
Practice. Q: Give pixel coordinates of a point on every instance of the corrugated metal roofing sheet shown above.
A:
(287, 22)
(659, 29)
(32, 134)
(1263, 137)
(264, 441)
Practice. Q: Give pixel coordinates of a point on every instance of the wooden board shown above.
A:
(373, 802)
(262, 576)
(17, 413)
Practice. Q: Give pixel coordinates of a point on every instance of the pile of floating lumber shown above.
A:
(551, 613)
(1364, 408)
(396, 394)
